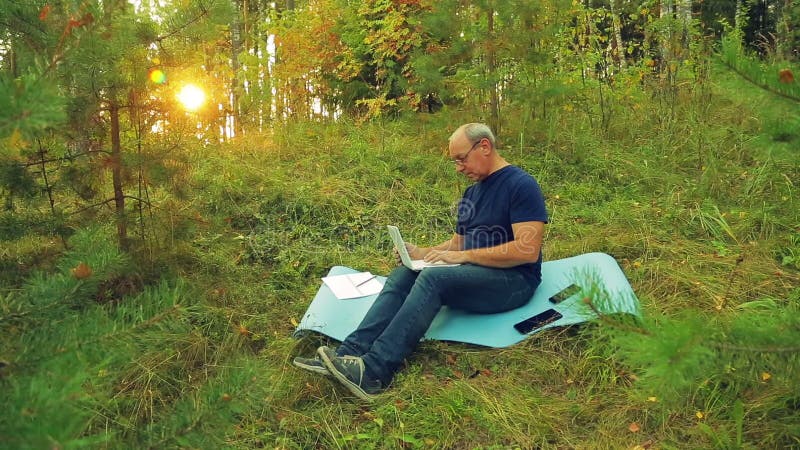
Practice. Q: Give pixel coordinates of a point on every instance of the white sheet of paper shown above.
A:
(353, 285)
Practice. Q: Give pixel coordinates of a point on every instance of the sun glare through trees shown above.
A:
(191, 97)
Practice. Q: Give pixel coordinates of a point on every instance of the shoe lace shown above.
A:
(352, 361)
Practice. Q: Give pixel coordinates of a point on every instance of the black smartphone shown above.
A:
(537, 321)
(565, 293)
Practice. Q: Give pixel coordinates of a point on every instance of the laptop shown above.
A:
(413, 264)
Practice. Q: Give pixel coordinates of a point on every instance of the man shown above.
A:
(497, 241)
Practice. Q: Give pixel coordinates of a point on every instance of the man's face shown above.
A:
(469, 157)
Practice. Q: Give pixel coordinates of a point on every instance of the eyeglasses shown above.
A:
(460, 161)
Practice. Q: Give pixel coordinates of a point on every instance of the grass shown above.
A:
(700, 212)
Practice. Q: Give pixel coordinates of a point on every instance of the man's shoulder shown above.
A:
(517, 174)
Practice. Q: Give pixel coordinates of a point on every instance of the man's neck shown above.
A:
(498, 164)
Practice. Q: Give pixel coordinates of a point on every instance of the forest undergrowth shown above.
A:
(693, 193)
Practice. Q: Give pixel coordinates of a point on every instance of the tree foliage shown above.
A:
(110, 189)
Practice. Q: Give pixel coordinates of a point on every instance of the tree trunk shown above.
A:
(116, 175)
(618, 34)
(236, 48)
(684, 13)
(494, 95)
(738, 23)
(785, 40)
(666, 40)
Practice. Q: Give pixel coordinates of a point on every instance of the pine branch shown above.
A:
(763, 86)
(608, 321)
(64, 158)
(743, 348)
(105, 202)
(203, 13)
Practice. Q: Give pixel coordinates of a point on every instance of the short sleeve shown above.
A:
(527, 202)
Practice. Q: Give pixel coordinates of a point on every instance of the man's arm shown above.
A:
(523, 249)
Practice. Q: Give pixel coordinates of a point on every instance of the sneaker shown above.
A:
(349, 370)
(312, 365)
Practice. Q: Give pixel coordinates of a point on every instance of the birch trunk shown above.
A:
(236, 48)
(684, 13)
(491, 56)
(618, 33)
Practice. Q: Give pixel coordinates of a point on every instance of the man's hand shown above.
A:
(416, 252)
(413, 251)
(447, 256)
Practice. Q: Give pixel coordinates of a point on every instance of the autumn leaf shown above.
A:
(765, 376)
(44, 12)
(634, 427)
(81, 271)
(786, 76)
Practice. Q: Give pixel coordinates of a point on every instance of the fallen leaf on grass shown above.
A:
(785, 76)
(81, 271)
(634, 427)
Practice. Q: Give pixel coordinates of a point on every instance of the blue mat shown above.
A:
(597, 274)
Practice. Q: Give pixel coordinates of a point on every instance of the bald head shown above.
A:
(474, 132)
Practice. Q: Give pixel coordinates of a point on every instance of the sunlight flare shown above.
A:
(192, 97)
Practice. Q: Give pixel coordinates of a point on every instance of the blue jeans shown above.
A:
(405, 308)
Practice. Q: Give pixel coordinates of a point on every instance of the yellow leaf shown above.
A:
(699, 415)
(14, 143)
(765, 376)
(293, 321)
(652, 399)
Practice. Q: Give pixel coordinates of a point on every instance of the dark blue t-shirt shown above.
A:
(489, 207)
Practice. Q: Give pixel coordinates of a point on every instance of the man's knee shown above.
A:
(401, 277)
